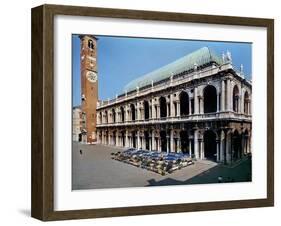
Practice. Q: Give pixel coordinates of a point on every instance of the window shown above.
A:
(91, 44)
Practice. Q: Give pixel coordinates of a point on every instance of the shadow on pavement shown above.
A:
(240, 173)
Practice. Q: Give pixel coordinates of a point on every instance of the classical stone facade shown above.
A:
(78, 123)
(198, 105)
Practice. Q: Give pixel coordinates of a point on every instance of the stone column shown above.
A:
(126, 114)
(218, 149)
(153, 140)
(138, 111)
(138, 140)
(120, 140)
(202, 151)
(190, 146)
(172, 111)
(101, 137)
(179, 145)
(117, 139)
(228, 148)
(201, 105)
(98, 137)
(222, 146)
(189, 105)
(249, 144)
(159, 145)
(222, 95)
(229, 99)
(141, 112)
(178, 108)
(172, 141)
(196, 104)
(126, 138)
(218, 102)
(242, 104)
(239, 104)
(158, 110)
(152, 109)
(196, 144)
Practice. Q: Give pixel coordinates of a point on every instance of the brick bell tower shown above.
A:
(89, 85)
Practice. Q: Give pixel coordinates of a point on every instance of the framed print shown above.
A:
(141, 112)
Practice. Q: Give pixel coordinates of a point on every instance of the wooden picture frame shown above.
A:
(43, 107)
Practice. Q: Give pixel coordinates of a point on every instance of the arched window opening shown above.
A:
(236, 145)
(91, 44)
(235, 99)
(246, 103)
(146, 110)
(210, 99)
(163, 138)
(184, 104)
(134, 137)
(146, 139)
(133, 112)
(210, 150)
(106, 117)
(122, 114)
(113, 116)
(184, 141)
(163, 107)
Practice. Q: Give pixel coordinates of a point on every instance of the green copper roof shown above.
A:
(200, 57)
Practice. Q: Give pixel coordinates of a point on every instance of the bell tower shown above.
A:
(89, 85)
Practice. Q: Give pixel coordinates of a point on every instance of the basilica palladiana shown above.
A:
(199, 105)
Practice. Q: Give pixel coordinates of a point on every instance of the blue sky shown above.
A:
(122, 59)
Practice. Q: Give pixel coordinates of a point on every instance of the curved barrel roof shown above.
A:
(199, 57)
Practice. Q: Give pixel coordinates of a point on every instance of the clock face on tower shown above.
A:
(91, 76)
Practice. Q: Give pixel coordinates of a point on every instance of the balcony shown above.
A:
(226, 115)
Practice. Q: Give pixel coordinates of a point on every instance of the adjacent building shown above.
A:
(198, 104)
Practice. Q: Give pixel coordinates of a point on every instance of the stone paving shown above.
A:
(93, 168)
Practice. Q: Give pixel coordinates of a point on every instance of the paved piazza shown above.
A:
(94, 169)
